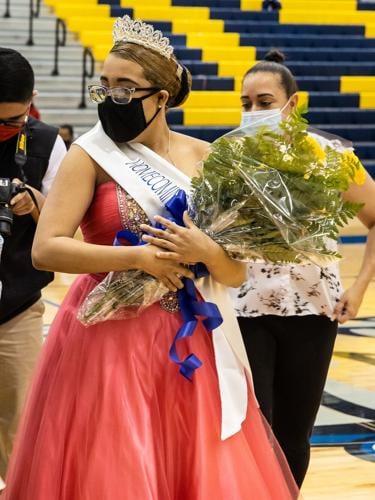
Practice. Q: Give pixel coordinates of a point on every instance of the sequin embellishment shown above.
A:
(170, 302)
(131, 216)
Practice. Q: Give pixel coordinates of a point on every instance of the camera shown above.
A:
(8, 190)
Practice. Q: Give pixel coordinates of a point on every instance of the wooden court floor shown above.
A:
(343, 453)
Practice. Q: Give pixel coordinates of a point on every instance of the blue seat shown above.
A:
(190, 54)
(370, 167)
(202, 82)
(298, 29)
(319, 83)
(355, 133)
(329, 69)
(352, 132)
(117, 11)
(317, 54)
(333, 99)
(234, 4)
(201, 68)
(325, 55)
(365, 5)
(175, 116)
(242, 15)
(177, 40)
(340, 116)
(365, 150)
(284, 40)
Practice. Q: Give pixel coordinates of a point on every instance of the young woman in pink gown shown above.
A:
(108, 415)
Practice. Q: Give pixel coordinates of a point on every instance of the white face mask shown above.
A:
(266, 117)
(270, 117)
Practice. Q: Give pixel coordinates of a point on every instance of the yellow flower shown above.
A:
(360, 175)
(316, 147)
(360, 172)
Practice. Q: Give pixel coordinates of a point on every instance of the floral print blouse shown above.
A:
(288, 290)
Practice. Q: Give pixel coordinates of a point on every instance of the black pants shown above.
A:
(289, 358)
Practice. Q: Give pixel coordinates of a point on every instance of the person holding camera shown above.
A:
(30, 154)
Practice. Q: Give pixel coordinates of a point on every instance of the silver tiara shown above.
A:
(127, 30)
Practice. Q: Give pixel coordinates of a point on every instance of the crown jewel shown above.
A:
(127, 30)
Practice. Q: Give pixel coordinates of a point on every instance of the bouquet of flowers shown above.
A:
(262, 193)
(274, 194)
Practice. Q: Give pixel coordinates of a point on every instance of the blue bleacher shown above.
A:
(365, 150)
(240, 15)
(306, 41)
(313, 68)
(317, 54)
(333, 99)
(367, 5)
(341, 116)
(298, 29)
(208, 134)
(324, 54)
(201, 68)
(354, 133)
(203, 82)
(232, 4)
(319, 83)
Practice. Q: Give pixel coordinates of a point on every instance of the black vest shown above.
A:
(21, 282)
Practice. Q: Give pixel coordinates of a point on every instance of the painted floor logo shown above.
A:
(347, 414)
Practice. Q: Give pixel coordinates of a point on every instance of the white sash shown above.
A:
(151, 181)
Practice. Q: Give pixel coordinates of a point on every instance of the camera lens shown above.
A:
(6, 220)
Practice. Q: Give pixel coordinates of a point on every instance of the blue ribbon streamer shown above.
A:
(191, 308)
(129, 236)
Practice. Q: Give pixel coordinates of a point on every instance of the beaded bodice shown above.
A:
(111, 210)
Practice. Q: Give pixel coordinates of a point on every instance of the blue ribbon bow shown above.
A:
(191, 308)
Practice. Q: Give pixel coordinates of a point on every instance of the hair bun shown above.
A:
(275, 55)
(185, 87)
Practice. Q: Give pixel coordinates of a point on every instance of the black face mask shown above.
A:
(122, 123)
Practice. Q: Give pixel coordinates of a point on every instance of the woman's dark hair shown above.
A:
(273, 62)
(16, 77)
(68, 127)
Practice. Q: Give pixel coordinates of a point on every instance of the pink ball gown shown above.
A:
(109, 417)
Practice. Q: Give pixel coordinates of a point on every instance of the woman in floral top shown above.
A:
(288, 314)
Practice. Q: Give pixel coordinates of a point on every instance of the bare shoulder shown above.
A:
(192, 144)
(76, 152)
(77, 164)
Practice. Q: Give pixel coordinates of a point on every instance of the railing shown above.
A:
(60, 41)
(7, 8)
(32, 13)
(87, 58)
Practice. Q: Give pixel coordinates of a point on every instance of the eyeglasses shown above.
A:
(119, 95)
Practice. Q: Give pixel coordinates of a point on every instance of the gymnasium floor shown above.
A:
(343, 455)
